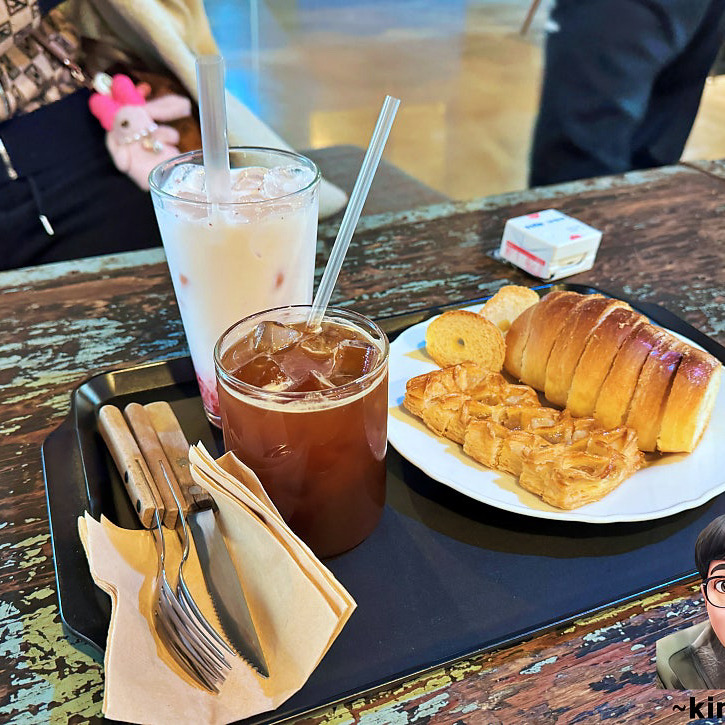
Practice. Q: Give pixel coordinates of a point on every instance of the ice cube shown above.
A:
(247, 183)
(313, 381)
(263, 372)
(240, 353)
(353, 358)
(297, 363)
(283, 180)
(316, 346)
(271, 337)
(186, 181)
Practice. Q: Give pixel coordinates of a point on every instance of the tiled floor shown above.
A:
(318, 70)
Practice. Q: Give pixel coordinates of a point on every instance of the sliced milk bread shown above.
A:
(597, 358)
(603, 359)
(462, 336)
(618, 388)
(690, 402)
(507, 304)
(650, 393)
(548, 321)
(516, 339)
(570, 344)
(518, 335)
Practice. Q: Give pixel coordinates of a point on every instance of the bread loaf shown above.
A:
(690, 402)
(602, 358)
(547, 322)
(570, 345)
(650, 392)
(597, 358)
(517, 337)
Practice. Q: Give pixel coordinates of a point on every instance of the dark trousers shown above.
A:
(622, 84)
(66, 173)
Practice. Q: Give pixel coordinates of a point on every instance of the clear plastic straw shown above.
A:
(354, 208)
(213, 117)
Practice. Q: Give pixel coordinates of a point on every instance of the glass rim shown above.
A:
(339, 392)
(181, 158)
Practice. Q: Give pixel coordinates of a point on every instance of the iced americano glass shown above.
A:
(307, 412)
(230, 260)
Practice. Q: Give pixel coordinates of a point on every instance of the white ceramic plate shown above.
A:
(667, 485)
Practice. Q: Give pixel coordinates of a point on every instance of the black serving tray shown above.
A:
(442, 577)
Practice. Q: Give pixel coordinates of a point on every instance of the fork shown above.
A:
(184, 596)
(181, 626)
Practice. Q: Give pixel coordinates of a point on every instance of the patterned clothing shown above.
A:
(30, 75)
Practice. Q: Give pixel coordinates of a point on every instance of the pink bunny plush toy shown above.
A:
(134, 139)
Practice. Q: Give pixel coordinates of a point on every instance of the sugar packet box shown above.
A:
(549, 245)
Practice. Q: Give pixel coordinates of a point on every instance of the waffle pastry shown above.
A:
(567, 461)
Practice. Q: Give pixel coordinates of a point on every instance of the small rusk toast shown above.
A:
(462, 336)
(507, 304)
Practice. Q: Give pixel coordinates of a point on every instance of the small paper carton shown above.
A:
(550, 245)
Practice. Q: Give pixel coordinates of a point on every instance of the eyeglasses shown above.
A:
(714, 589)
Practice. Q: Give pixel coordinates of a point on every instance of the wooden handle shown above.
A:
(156, 460)
(176, 448)
(131, 464)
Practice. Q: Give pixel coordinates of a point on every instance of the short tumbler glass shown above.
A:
(320, 455)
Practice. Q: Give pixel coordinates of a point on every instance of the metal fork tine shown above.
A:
(182, 636)
(181, 629)
(182, 591)
(188, 603)
(181, 653)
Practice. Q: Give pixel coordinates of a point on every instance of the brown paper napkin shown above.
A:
(297, 605)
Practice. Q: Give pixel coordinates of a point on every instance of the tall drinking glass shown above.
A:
(307, 411)
(232, 259)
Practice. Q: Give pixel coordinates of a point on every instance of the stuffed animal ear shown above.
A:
(169, 108)
(124, 91)
(104, 108)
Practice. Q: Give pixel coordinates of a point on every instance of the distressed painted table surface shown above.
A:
(663, 242)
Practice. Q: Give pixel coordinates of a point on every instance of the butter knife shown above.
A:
(220, 575)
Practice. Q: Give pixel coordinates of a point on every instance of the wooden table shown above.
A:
(663, 242)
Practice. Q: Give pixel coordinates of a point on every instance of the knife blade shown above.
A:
(220, 574)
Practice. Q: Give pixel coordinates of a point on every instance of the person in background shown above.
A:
(694, 659)
(61, 196)
(622, 84)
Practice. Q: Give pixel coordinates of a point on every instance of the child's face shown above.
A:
(716, 588)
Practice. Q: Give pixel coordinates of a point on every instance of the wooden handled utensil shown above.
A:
(131, 465)
(176, 448)
(143, 430)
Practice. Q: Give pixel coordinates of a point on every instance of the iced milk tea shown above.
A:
(253, 253)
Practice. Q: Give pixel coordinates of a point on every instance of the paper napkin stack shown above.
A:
(297, 605)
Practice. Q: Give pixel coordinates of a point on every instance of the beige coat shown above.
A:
(172, 33)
